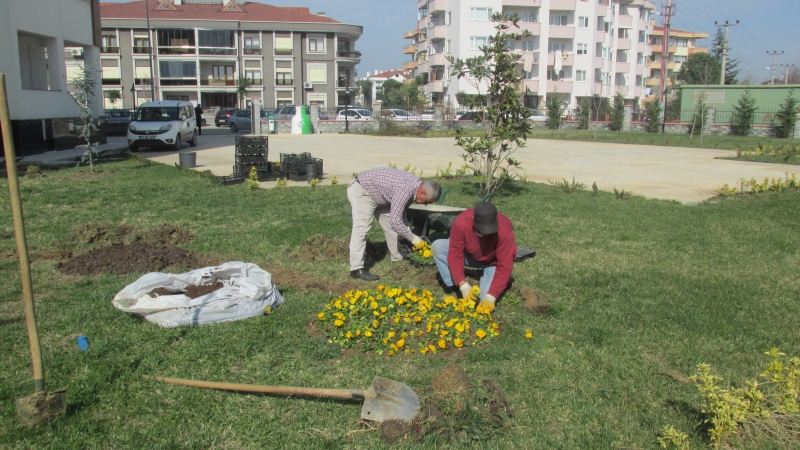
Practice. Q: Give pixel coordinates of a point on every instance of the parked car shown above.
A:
(537, 116)
(242, 119)
(469, 115)
(398, 114)
(354, 114)
(223, 117)
(117, 120)
(166, 123)
(288, 111)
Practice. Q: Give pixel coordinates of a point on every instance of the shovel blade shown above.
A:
(389, 400)
(41, 406)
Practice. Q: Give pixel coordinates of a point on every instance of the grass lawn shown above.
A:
(641, 290)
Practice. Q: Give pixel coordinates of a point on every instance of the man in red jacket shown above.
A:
(480, 237)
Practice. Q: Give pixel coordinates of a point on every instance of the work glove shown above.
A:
(467, 294)
(417, 243)
(486, 306)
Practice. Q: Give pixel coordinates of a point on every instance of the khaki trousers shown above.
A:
(364, 210)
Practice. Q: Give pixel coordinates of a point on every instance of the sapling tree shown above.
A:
(555, 109)
(617, 113)
(113, 97)
(584, 113)
(496, 75)
(84, 85)
(653, 109)
(242, 85)
(743, 113)
(786, 116)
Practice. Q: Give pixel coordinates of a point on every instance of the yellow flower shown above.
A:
(476, 290)
(423, 350)
(368, 333)
(349, 335)
(401, 343)
(373, 305)
(444, 333)
(338, 322)
(460, 327)
(375, 324)
(458, 342)
(528, 334)
(391, 334)
(426, 254)
(480, 333)
(321, 316)
(432, 348)
(358, 332)
(442, 343)
(383, 310)
(495, 325)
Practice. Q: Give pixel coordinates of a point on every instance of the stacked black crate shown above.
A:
(295, 166)
(252, 151)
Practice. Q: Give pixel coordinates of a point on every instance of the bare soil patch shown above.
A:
(321, 248)
(536, 301)
(137, 257)
(103, 234)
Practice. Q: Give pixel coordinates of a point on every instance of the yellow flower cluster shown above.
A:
(394, 320)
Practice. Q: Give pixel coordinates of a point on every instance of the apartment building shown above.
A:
(682, 44)
(577, 48)
(32, 59)
(201, 48)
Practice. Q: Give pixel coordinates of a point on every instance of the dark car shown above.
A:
(469, 115)
(223, 117)
(117, 120)
(243, 119)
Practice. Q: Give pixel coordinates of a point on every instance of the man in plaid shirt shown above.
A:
(384, 193)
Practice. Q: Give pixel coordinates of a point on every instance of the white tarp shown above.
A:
(247, 290)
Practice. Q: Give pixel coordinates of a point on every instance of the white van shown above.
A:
(167, 123)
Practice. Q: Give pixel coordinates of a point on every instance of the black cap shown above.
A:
(485, 218)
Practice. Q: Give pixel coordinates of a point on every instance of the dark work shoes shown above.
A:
(364, 275)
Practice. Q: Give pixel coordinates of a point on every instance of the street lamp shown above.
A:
(133, 93)
(346, 121)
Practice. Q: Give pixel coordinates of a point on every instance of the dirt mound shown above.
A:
(137, 257)
(451, 380)
(536, 301)
(321, 248)
(105, 234)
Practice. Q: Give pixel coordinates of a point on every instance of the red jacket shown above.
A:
(497, 249)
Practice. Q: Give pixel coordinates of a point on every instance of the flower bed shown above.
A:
(395, 320)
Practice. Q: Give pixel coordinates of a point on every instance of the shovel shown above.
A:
(383, 400)
(42, 405)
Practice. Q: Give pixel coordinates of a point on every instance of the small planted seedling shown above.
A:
(594, 189)
(568, 187)
(622, 195)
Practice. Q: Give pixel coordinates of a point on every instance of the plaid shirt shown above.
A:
(395, 187)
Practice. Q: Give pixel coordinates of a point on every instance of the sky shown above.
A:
(764, 26)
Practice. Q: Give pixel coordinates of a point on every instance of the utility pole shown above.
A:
(664, 59)
(786, 78)
(150, 51)
(725, 49)
(774, 62)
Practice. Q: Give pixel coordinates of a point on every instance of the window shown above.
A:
(526, 45)
(530, 16)
(141, 70)
(559, 20)
(283, 43)
(620, 79)
(178, 69)
(606, 53)
(141, 42)
(642, 36)
(640, 59)
(622, 56)
(111, 72)
(253, 75)
(624, 33)
(680, 59)
(175, 38)
(553, 47)
(109, 42)
(447, 46)
(553, 76)
(284, 98)
(283, 73)
(583, 49)
(476, 42)
(580, 75)
(222, 73)
(639, 80)
(644, 14)
(484, 14)
(511, 44)
(316, 43)
(317, 73)
(583, 22)
(318, 99)
(449, 18)
(216, 38)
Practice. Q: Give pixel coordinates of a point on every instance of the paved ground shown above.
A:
(685, 174)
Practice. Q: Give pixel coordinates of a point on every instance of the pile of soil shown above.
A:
(321, 248)
(122, 259)
(454, 409)
(191, 291)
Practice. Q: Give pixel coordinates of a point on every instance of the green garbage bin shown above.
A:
(268, 121)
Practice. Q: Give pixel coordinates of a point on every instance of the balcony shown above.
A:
(559, 86)
(693, 50)
(437, 59)
(111, 82)
(602, 10)
(219, 82)
(179, 51)
(437, 6)
(534, 27)
(434, 86)
(522, 2)
(653, 82)
(284, 81)
(345, 83)
(256, 81)
(410, 65)
(109, 49)
(623, 44)
(437, 32)
(599, 62)
(621, 90)
(641, 47)
(625, 21)
(623, 67)
(562, 32)
(600, 36)
(177, 82)
(141, 81)
(530, 86)
(410, 34)
(563, 5)
(637, 91)
(217, 51)
(567, 59)
(252, 51)
(410, 49)
(141, 50)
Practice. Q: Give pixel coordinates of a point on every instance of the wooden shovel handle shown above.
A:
(263, 389)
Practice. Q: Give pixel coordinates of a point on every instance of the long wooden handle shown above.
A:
(263, 389)
(22, 244)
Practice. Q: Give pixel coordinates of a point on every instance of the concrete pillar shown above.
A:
(437, 114)
(796, 134)
(315, 119)
(626, 120)
(376, 116)
(91, 61)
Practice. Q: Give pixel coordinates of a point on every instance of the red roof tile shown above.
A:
(254, 11)
(405, 73)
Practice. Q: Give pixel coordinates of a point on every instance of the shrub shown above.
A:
(584, 112)
(653, 109)
(743, 112)
(617, 113)
(786, 116)
(555, 109)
